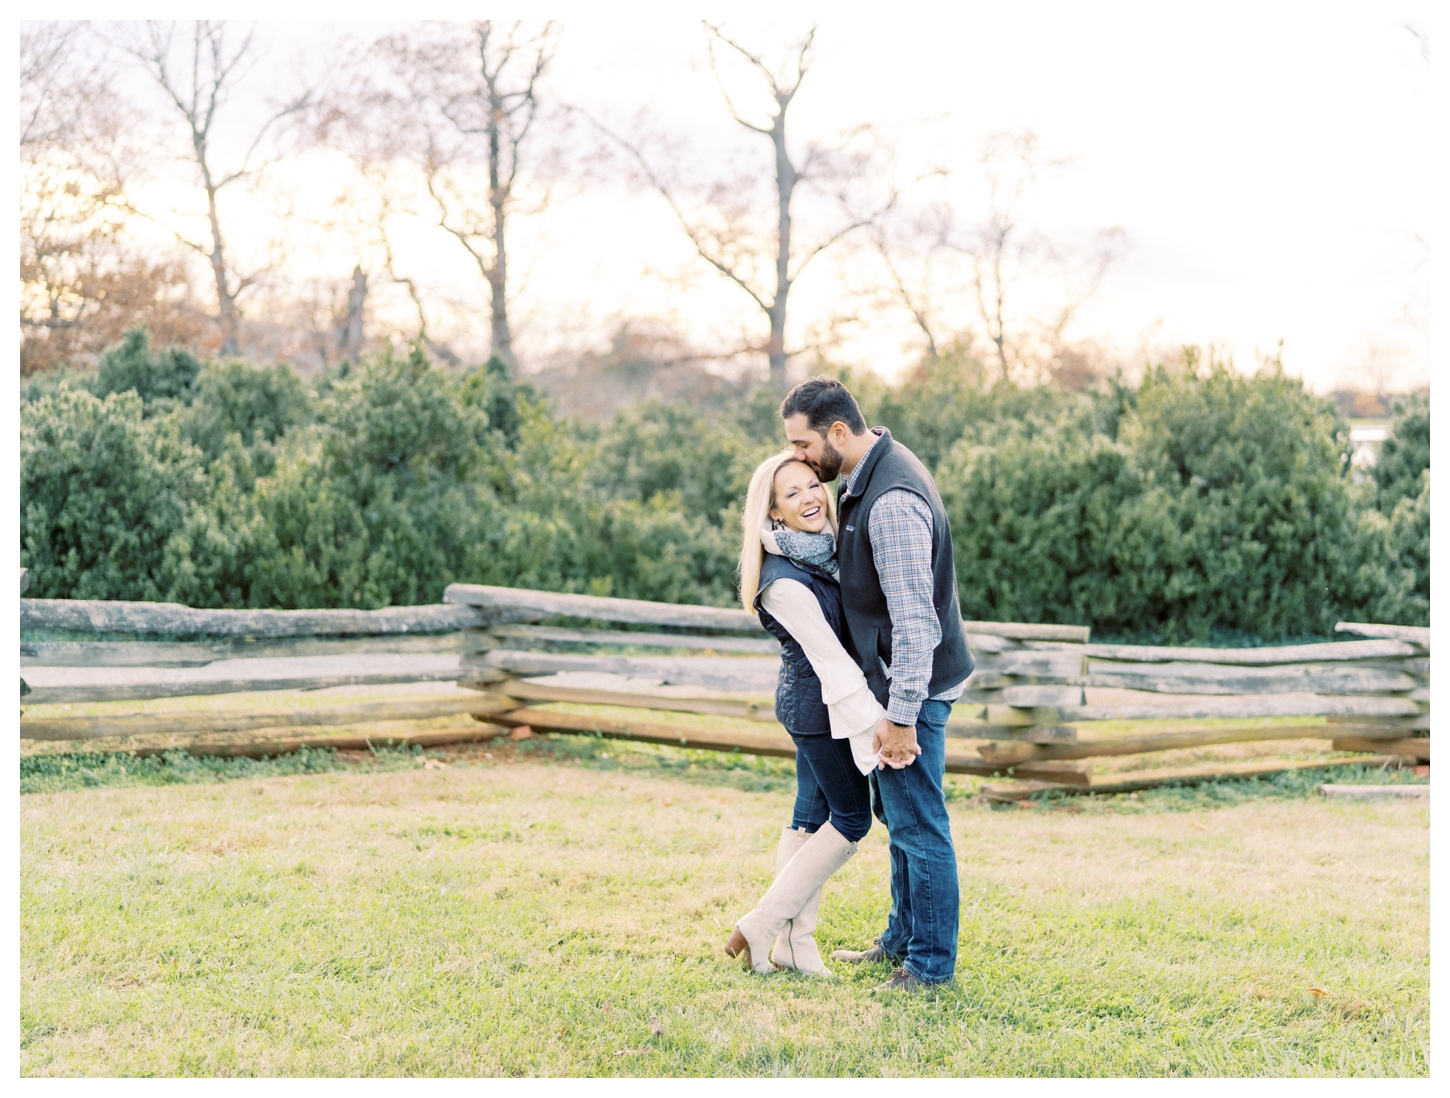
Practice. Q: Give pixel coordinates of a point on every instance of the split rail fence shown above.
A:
(1029, 711)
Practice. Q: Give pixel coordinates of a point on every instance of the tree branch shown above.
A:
(461, 235)
(801, 63)
(690, 231)
(918, 313)
(725, 93)
(301, 103)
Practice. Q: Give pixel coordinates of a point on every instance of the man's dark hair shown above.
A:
(823, 401)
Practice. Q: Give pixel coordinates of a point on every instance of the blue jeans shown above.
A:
(829, 787)
(921, 931)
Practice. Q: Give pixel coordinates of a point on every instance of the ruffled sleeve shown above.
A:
(853, 708)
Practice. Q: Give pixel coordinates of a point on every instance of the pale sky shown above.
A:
(1271, 166)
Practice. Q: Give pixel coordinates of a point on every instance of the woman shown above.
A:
(788, 577)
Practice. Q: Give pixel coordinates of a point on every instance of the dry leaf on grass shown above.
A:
(1318, 992)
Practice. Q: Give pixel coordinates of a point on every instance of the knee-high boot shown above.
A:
(802, 879)
(795, 946)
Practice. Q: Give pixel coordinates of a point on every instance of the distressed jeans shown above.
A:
(921, 931)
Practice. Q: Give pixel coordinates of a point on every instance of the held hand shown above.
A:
(897, 744)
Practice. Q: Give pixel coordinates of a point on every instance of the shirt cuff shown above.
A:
(858, 712)
(902, 711)
(866, 760)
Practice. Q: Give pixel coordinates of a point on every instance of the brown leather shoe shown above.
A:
(870, 956)
(901, 980)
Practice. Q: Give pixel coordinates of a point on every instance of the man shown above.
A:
(899, 598)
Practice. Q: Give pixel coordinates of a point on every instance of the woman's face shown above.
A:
(800, 500)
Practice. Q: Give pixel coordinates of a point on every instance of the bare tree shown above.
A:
(448, 102)
(1022, 289)
(198, 85)
(1005, 250)
(67, 189)
(760, 253)
(1011, 163)
(364, 213)
(82, 283)
(57, 95)
(913, 247)
(499, 106)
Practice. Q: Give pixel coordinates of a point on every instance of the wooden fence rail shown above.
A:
(1029, 708)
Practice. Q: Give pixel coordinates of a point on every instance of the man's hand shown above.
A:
(897, 744)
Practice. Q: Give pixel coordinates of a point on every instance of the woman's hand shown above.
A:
(897, 744)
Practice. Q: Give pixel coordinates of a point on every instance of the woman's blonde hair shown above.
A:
(759, 500)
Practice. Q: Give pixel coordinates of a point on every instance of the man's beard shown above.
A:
(829, 467)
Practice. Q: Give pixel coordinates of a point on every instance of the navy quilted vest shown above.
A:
(798, 703)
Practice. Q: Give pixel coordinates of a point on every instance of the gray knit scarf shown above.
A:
(817, 549)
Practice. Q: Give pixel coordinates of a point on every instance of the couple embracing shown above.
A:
(861, 591)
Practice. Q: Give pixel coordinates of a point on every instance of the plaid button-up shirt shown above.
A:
(900, 526)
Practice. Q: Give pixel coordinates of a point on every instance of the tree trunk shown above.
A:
(999, 329)
(226, 300)
(350, 331)
(776, 346)
(501, 340)
(226, 310)
(785, 181)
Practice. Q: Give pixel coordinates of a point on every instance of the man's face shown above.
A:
(813, 448)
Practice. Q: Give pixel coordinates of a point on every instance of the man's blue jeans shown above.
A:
(921, 931)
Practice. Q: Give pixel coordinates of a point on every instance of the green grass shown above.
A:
(61, 771)
(545, 908)
(58, 773)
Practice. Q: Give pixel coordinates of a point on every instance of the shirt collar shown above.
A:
(850, 481)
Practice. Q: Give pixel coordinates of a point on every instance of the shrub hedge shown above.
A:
(1197, 504)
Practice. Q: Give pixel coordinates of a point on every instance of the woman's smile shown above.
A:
(800, 499)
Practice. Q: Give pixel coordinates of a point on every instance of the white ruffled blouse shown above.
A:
(854, 710)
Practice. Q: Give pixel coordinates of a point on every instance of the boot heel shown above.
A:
(738, 949)
(796, 886)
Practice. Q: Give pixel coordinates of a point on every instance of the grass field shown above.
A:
(558, 909)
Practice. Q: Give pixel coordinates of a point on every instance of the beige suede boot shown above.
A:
(804, 953)
(796, 945)
(818, 858)
(791, 840)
